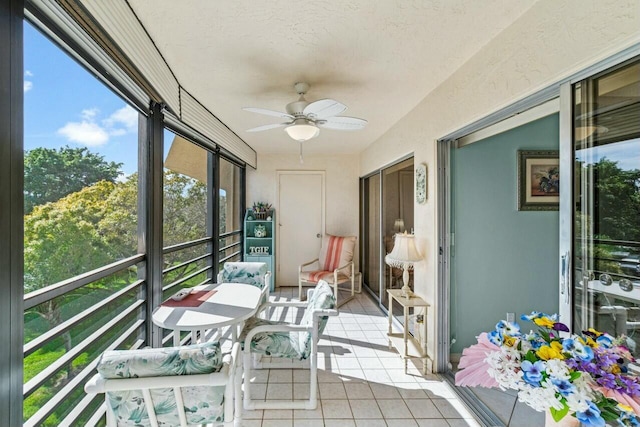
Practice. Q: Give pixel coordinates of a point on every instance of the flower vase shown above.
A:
(567, 421)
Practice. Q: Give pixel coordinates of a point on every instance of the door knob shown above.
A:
(318, 235)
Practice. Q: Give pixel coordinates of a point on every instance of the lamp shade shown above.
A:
(398, 225)
(404, 252)
(302, 131)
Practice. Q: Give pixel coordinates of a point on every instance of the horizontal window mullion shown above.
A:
(52, 369)
(230, 233)
(40, 296)
(51, 334)
(229, 246)
(191, 261)
(185, 278)
(185, 245)
(230, 256)
(49, 407)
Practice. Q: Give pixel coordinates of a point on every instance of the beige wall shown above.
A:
(342, 192)
(553, 40)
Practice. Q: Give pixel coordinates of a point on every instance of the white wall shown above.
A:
(342, 191)
(553, 40)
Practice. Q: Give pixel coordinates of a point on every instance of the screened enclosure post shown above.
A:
(243, 208)
(150, 214)
(11, 211)
(210, 215)
(214, 212)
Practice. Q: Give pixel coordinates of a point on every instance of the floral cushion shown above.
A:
(322, 298)
(252, 273)
(273, 343)
(202, 404)
(291, 344)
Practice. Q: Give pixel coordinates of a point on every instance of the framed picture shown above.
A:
(421, 183)
(538, 180)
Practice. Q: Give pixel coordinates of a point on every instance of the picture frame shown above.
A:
(538, 180)
(421, 183)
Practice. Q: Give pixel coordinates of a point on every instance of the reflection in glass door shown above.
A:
(606, 231)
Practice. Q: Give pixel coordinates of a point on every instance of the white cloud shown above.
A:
(85, 132)
(88, 132)
(28, 84)
(126, 116)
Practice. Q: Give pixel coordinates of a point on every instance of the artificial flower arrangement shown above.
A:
(585, 376)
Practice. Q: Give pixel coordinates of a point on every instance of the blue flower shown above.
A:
(564, 387)
(605, 341)
(533, 372)
(530, 317)
(495, 337)
(591, 417)
(575, 347)
(507, 328)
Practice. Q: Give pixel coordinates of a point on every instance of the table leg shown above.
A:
(390, 319)
(405, 336)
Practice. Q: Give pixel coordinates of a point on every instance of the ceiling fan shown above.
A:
(305, 118)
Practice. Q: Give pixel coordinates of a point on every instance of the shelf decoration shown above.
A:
(261, 210)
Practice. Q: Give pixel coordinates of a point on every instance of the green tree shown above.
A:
(51, 174)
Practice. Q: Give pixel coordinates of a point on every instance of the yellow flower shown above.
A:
(554, 351)
(591, 343)
(624, 407)
(593, 331)
(544, 322)
(615, 369)
(509, 341)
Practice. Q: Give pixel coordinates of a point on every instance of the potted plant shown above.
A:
(261, 210)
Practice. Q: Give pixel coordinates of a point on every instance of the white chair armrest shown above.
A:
(219, 277)
(102, 385)
(325, 312)
(306, 264)
(347, 265)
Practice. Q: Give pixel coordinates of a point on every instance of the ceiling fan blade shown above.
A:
(267, 127)
(342, 123)
(268, 112)
(323, 108)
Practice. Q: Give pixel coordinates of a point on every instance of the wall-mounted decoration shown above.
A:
(538, 180)
(421, 183)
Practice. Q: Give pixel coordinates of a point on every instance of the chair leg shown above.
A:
(246, 363)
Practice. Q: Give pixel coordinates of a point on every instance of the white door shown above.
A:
(300, 222)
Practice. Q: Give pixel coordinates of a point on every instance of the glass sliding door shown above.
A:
(371, 253)
(606, 244)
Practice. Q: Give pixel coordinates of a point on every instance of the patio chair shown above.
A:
(335, 265)
(298, 342)
(174, 386)
(252, 273)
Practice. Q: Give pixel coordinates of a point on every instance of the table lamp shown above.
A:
(404, 255)
(398, 225)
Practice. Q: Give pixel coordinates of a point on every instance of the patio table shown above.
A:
(214, 306)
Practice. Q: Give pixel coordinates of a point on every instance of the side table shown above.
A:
(412, 347)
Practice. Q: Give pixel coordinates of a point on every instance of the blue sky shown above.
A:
(66, 105)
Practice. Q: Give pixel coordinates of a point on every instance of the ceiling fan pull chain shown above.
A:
(301, 159)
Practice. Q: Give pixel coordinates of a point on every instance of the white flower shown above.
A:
(558, 369)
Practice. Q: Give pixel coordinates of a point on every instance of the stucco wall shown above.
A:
(342, 192)
(553, 40)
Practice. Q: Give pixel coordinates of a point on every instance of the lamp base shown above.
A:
(406, 292)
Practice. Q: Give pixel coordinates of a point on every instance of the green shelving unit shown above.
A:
(261, 249)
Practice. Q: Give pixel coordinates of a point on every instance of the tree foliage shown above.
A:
(51, 174)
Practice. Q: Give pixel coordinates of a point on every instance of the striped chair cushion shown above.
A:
(336, 251)
(317, 275)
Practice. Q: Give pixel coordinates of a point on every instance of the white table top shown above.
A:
(232, 303)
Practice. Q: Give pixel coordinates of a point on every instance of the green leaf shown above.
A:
(559, 414)
(574, 376)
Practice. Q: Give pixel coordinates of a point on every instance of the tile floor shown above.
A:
(361, 381)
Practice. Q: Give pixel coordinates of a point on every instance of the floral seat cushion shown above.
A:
(252, 273)
(202, 404)
(291, 344)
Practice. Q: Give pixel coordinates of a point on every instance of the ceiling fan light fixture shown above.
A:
(302, 131)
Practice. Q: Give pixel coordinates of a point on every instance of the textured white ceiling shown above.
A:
(378, 57)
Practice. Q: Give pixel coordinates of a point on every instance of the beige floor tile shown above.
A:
(421, 408)
(330, 391)
(336, 409)
(280, 376)
(394, 408)
(365, 408)
(430, 422)
(299, 414)
(339, 423)
(358, 390)
(401, 423)
(370, 423)
(384, 391)
(277, 423)
(279, 391)
(308, 423)
(278, 414)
